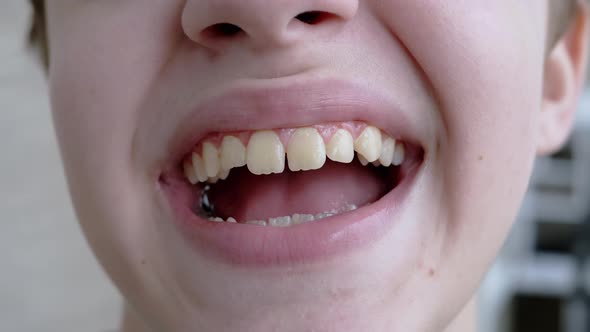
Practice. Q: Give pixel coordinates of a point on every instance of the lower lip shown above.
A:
(260, 246)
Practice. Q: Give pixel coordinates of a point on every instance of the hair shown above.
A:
(38, 31)
(561, 14)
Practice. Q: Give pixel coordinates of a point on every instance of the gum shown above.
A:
(355, 128)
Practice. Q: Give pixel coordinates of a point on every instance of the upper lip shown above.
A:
(285, 104)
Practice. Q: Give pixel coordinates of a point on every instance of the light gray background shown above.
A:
(49, 280)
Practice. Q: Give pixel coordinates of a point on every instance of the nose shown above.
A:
(217, 24)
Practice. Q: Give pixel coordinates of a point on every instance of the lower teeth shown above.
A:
(295, 219)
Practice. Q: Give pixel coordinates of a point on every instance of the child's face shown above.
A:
(137, 85)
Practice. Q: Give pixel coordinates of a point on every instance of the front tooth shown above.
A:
(368, 144)
(340, 148)
(233, 153)
(306, 150)
(216, 219)
(231, 220)
(302, 218)
(350, 207)
(199, 167)
(280, 221)
(265, 153)
(399, 155)
(256, 222)
(223, 174)
(323, 215)
(189, 172)
(211, 159)
(362, 159)
(387, 152)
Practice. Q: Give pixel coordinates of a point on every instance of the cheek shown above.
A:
(105, 59)
(97, 84)
(483, 62)
(484, 70)
(490, 109)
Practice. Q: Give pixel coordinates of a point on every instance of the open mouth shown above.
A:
(287, 177)
(290, 194)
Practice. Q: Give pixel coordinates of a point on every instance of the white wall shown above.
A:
(49, 280)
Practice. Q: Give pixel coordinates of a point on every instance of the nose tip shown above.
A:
(217, 24)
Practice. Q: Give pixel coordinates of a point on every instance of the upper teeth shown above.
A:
(306, 149)
(199, 167)
(266, 153)
(369, 144)
(233, 153)
(387, 153)
(340, 147)
(211, 159)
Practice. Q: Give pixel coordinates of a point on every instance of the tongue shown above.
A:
(245, 196)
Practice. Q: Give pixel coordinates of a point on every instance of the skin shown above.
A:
(476, 74)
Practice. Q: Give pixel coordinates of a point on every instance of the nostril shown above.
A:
(314, 17)
(222, 30)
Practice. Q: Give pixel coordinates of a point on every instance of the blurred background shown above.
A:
(50, 281)
(541, 279)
